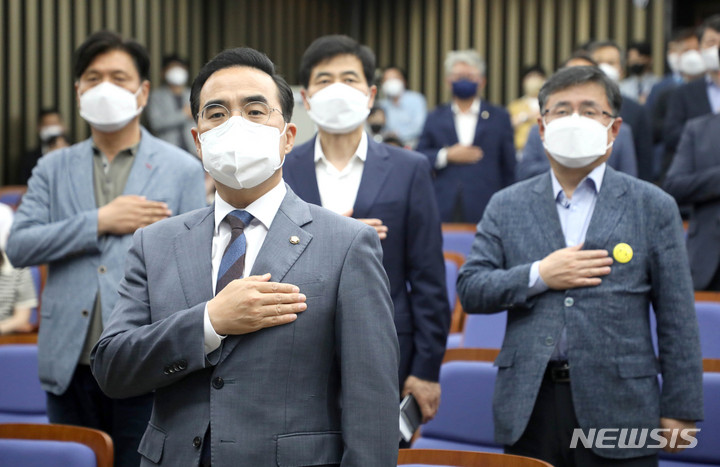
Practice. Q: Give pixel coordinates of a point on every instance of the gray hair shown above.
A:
(577, 76)
(469, 56)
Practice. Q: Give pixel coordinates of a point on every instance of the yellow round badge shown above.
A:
(622, 253)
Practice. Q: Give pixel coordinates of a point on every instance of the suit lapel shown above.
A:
(304, 175)
(446, 123)
(193, 253)
(543, 208)
(82, 167)
(376, 170)
(278, 254)
(481, 122)
(143, 167)
(608, 210)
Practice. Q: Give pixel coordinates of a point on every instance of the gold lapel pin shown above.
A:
(294, 239)
(485, 114)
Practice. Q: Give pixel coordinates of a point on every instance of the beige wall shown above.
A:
(39, 37)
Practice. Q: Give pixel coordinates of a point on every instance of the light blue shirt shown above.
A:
(713, 92)
(575, 214)
(406, 117)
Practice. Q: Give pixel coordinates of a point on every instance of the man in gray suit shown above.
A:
(82, 205)
(263, 324)
(576, 256)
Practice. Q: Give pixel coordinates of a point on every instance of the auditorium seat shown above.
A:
(464, 420)
(455, 458)
(458, 237)
(486, 331)
(30, 445)
(12, 195)
(21, 397)
(708, 316)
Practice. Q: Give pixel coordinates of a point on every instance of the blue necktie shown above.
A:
(233, 260)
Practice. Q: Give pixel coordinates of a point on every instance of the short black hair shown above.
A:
(712, 22)
(45, 111)
(579, 55)
(102, 42)
(682, 34)
(327, 47)
(577, 76)
(533, 69)
(242, 56)
(174, 58)
(642, 47)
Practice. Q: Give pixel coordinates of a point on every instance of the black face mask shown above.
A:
(636, 69)
(376, 128)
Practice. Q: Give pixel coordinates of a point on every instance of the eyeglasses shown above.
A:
(586, 110)
(256, 112)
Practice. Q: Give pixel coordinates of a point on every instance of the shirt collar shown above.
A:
(262, 209)
(594, 179)
(474, 108)
(130, 151)
(360, 152)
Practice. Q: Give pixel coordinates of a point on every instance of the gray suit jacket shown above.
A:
(321, 390)
(57, 224)
(694, 179)
(612, 364)
(167, 121)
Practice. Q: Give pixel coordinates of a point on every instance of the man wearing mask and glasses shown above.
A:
(389, 188)
(576, 256)
(262, 323)
(82, 205)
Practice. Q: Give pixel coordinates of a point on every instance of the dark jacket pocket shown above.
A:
(152, 443)
(637, 366)
(308, 449)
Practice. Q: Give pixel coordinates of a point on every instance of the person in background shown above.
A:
(640, 77)
(468, 141)
(405, 110)
(608, 56)
(699, 97)
(51, 135)
(388, 188)
(525, 110)
(376, 124)
(168, 112)
(535, 162)
(680, 42)
(82, 205)
(17, 297)
(577, 256)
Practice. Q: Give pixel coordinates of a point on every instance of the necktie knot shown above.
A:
(239, 219)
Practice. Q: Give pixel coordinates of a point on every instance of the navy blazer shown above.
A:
(613, 367)
(687, 101)
(470, 184)
(694, 178)
(396, 187)
(637, 118)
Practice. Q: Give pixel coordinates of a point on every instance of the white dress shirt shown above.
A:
(465, 125)
(263, 211)
(338, 188)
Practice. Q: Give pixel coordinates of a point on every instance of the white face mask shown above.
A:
(692, 63)
(339, 108)
(176, 76)
(576, 141)
(393, 87)
(241, 154)
(48, 132)
(108, 107)
(711, 58)
(610, 71)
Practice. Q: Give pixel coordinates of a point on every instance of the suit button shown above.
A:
(218, 383)
(182, 364)
(85, 313)
(549, 340)
(102, 269)
(569, 301)
(197, 442)
(166, 370)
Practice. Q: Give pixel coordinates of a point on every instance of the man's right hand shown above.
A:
(253, 303)
(573, 267)
(125, 214)
(462, 154)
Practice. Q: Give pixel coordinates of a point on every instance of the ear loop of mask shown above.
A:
(284, 155)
